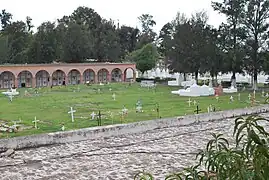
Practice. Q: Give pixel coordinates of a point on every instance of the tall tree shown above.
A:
(257, 26)
(233, 10)
(147, 34)
(5, 18)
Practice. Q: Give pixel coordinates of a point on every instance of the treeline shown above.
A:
(186, 44)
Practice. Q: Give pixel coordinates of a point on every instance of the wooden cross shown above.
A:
(158, 110)
(197, 109)
(99, 119)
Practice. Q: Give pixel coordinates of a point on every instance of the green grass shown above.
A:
(50, 106)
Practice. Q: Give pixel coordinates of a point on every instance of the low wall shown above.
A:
(114, 130)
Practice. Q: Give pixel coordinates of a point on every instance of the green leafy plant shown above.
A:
(248, 159)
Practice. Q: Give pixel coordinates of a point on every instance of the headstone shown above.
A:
(35, 122)
(72, 111)
(114, 96)
(189, 101)
(93, 115)
(231, 99)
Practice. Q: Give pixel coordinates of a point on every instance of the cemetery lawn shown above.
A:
(51, 106)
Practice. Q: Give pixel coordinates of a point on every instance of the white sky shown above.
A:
(126, 11)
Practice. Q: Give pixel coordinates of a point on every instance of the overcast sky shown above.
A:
(126, 11)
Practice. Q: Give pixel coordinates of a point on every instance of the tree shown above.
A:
(147, 34)
(146, 57)
(257, 26)
(5, 18)
(233, 10)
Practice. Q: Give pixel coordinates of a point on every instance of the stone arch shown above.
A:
(89, 76)
(58, 78)
(103, 75)
(116, 75)
(7, 79)
(129, 73)
(25, 79)
(74, 77)
(42, 78)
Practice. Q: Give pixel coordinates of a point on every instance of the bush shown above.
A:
(248, 160)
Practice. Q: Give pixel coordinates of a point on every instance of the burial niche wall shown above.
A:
(42, 78)
(7, 79)
(116, 75)
(58, 78)
(74, 77)
(103, 75)
(25, 79)
(89, 76)
(129, 74)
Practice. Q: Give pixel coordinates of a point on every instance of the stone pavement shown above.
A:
(161, 151)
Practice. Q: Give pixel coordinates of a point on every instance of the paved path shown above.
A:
(160, 152)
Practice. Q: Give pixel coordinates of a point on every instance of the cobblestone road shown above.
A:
(160, 152)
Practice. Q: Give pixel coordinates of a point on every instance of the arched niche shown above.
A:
(58, 78)
(103, 75)
(89, 76)
(74, 77)
(116, 75)
(7, 79)
(129, 74)
(42, 78)
(25, 79)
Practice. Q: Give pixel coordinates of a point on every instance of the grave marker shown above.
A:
(217, 98)
(99, 119)
(231, 99)
(63, 128)
(10, 97)
(194, 102)
(197, 110)
(239, 96)
(158, 110)
(93, 115)
(35, 122)
(72, 111)
(249, 97)
(189, 101)
(263, 93)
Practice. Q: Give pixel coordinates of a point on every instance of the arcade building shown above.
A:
(42, 75)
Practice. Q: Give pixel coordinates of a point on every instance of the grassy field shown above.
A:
(51, 106)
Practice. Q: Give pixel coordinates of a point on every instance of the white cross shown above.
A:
(208, 109)
(63, 128)
(239, 96)
(189, 101)
(93, 115)
(194, 102)
(254, 93)
(72, 113)
(110, 89)
(35, 121)
(231, 98)
(249, 97)
(114, 96)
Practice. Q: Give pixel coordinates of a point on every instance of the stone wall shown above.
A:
(114, 130)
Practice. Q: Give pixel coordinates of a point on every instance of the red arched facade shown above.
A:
(42, 75)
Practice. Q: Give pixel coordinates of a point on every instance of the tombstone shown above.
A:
(239, 97)
(35, 122)
(189, 101)
(231, 99)
(93, 115)
(72, 113)
(114, 96)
